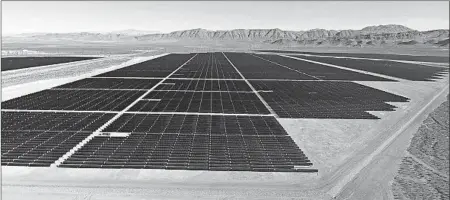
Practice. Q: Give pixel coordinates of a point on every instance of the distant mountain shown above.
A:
(132, 32)
(85, 36)
(391, 28)
(369, 36)
(22, 34)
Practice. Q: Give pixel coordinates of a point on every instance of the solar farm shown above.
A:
(227, 112)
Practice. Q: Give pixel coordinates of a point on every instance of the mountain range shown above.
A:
(368, 36)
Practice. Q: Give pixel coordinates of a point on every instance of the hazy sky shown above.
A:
(73, 16)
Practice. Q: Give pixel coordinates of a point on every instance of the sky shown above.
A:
(79, 16)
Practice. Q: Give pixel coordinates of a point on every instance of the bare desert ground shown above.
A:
(424, 171)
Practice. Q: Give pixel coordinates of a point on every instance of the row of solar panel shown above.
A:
(321, 71)
(158, 67)
(191, 152)
(203, 102)
(425, 58)
(208, 65)
(37, 148)
(146, 123)
(53, 121)
(156, 141)
(258, 66)
(197, 124)
(170, 84)
(13, 63)
(408, 71)
(309, 99)
(105, 100)
(341, 100)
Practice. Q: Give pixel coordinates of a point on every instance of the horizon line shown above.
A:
(161, 32)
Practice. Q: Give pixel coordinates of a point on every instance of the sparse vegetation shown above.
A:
(430, 145)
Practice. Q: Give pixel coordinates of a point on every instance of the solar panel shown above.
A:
(426, 58)
(192, 142)
(319, 99)
(12, 63)
(92, 100)
(208, 65)
(406, 71)
(158, 67)
(41, 138)
(136, 73)
(202, 102)
(204, 85)
(322, 71)
(37, 148)
(53, 121)
(112, 83)
(197, 124)
(255, 68)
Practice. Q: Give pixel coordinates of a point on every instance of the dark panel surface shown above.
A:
(255, 68)
(74, 100)
(39, 139)
(136, 73)
(217, 143)
(202, 102)
(407, 71)
(169, 62)
(204, 85)
(192, 152)
(439, 59)
(112, 83)
(320, 99)
(37, 148)
(198, 124)
(11, 63)
(50, 121)
(208, 65)
(322, 71)
(158, 67)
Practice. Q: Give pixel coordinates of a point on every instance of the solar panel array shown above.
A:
(208, 65)
(427, 58)
(72, 99)
(41, 138)
(225, 143)
(204, 85)
(12, 63)
(255, 68)
(184, 111)
(202, 102)
(413, 72)
(322, 71)
(41, 127)
(322, 99)
(112, 83)
(197, 125)
(158, 67)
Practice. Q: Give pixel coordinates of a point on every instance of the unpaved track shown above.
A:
(375, 179)
(151, 191)
(407, 154)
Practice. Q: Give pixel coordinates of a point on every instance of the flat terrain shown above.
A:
(342, 145)
(105, 48)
